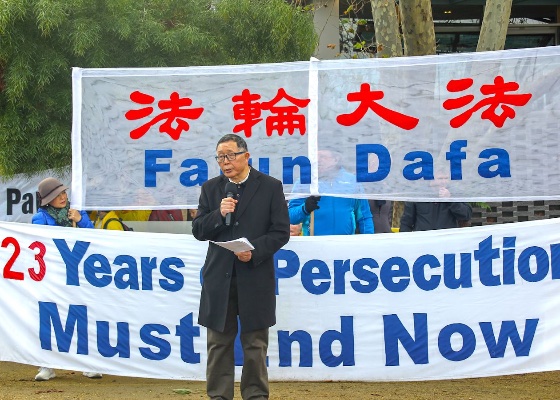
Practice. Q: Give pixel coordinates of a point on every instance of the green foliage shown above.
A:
(270, 30)
(482, 205)
(41, 40)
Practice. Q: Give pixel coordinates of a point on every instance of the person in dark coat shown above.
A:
(381, 212)
(240, 284)
(435, 215)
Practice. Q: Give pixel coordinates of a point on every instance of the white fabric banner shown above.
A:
(18, 200)
(146, 138)
(378, 307)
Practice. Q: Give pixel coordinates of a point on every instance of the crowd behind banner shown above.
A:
(392, 307)
(18, 203)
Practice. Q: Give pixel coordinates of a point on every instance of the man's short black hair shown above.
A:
(230, 137)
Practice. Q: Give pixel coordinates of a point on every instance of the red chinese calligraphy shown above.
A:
(286, 117)
(175, 110)
(282, 118)
(497, 97)
(249, 111)
(368, 101)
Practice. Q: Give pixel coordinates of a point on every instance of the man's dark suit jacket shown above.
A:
(261, 216)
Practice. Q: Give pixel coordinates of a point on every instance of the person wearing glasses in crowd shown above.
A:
(55, 211)
(332, 215)
(241, 284)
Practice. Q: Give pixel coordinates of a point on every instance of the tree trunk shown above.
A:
(419, 39)
(386, 25)
(418, 27)
(494, 25)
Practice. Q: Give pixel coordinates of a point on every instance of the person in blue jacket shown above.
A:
(332, 215)
(55, 210)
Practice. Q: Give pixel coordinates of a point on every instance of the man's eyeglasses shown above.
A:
(231, 156)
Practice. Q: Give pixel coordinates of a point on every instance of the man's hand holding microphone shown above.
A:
(227, 206)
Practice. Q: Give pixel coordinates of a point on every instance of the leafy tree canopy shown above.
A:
(41, 40)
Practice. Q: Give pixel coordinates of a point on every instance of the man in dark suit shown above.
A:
(243, 283)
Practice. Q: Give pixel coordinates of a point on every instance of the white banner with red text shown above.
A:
(447, 304)
(488, 121)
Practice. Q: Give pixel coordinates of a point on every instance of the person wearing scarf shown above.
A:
(55, 211)
(55, 208)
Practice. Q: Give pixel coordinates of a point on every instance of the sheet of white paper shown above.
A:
(237, 245)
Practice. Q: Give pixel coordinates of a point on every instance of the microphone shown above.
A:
(231, 191)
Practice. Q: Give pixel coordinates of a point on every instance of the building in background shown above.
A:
(533, 23)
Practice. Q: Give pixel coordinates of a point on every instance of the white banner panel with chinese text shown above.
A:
(382, 307)
(488, 122)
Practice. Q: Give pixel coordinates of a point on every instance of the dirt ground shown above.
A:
(16, 383)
